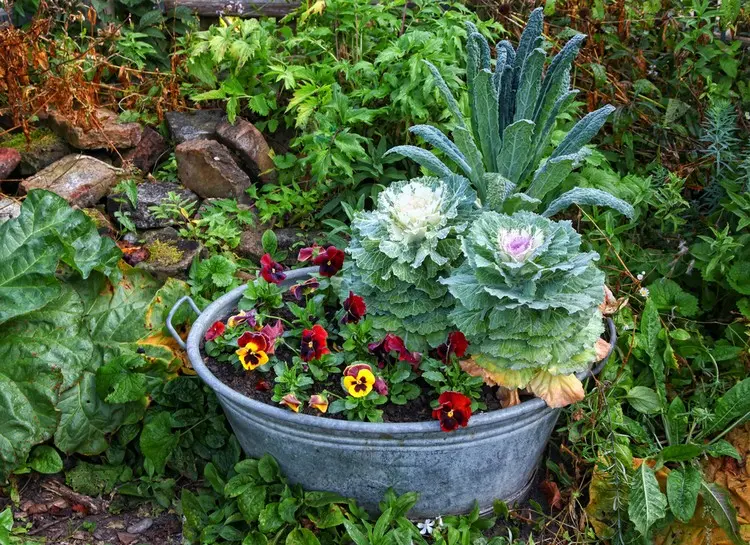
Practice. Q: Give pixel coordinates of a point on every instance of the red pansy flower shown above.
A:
(270, 270)
(330, 261)
(355, 309)
(272, 332)
(314, 343)
(262, 385)
(380, 386)
(216, 330)
(305, 288)
(456, 344)
(393, 343)
(307, 253)
(454, 411)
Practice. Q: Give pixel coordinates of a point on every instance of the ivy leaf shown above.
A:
(646, 503)
(682, 492)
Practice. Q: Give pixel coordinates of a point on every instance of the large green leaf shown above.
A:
(48, 216)
(528, 86)
(487, 128)
(516, 149)
(646, 503)
(682, 492)
(731, 409)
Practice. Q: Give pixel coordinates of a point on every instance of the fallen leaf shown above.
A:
(126, 538)
(611, 304)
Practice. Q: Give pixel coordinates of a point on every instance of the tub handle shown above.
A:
(177, 305)
(612, 342)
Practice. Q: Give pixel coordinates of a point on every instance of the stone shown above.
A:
(196, 125)
(289, 239)
(149, 150)
(140, 526)
(9, 160)
(209, 169)
(126, 538)
(106, 133)
(251, 147)
(42, 149)
(9, 209)
(104, 225)
(149, 194)
(79, 179)
(169, 254)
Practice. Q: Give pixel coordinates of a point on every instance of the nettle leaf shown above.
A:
(646, 502)
(668, 296)
(683, 487)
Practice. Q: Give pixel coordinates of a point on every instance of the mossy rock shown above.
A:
(44, 148)
(170, 255)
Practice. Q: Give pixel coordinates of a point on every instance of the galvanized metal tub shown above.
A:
(494, 457)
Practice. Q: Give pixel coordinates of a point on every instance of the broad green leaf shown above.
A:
(668, 296)
(251, 502)
(269, 519)
(733, 408)
(437, 139)
(557, 79)
(157, 440)
(716, 501)
(682, 492)
(45, 459)
(268, 469)
(646, 503)
(723, 448)
(644, 400)
(85, 420)
(516, 149)
(676, 423)
(466, 145)
(680, 453)
(552, 173)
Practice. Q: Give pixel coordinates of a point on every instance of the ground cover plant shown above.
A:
(98, 395)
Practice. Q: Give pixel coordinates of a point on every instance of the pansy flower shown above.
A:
(305, 254)
(319, 402)
(380, 386)
(270, 270)
(291, 401)
(330, 261)
(393, 343)
(453, 412)
(304, 288)
(272, 333)
(354, 309)
(252, 351)
(262, 385)
(314, 343)
(456, 344)
(216, 330)
(358, 379)
(248, 317)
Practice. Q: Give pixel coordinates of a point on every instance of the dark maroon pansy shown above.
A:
(216, 330)
(314, 343)
(453, 412)
(330, 261)
(304, 288)
(393, 343)
(354, 309)
(272, 333)
(456, 344)
(271, 271)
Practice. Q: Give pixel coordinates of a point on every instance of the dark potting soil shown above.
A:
(259, 386)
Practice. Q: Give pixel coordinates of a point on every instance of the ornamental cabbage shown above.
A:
(527, 299)
(401, 249)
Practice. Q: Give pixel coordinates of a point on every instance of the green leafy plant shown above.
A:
(400, 249)
(527, 298)
(513, 112)
(78, 348)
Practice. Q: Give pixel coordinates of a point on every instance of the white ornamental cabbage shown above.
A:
(528, 301)
(400, 250)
